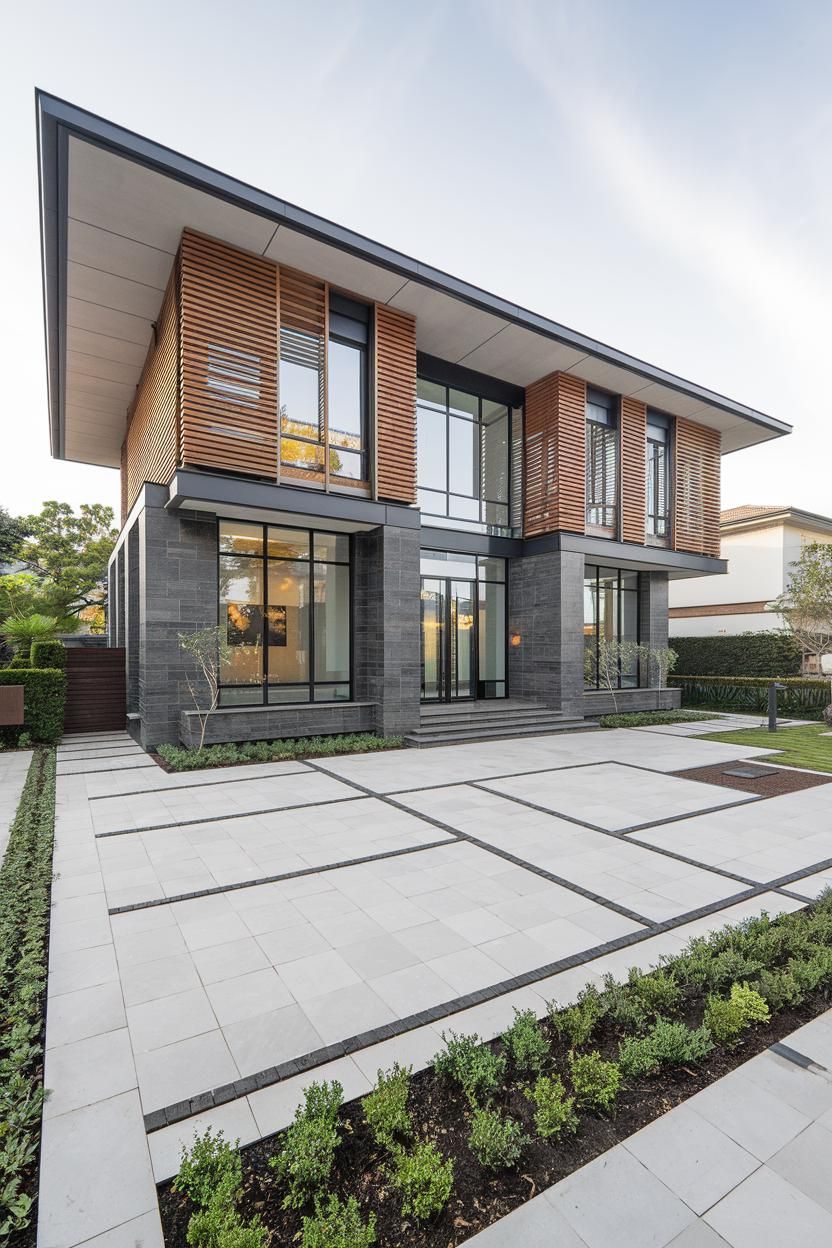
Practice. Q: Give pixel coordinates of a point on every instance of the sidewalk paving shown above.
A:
(747, 1163)
(14, 767)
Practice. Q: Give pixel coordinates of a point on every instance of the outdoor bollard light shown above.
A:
(772, 704)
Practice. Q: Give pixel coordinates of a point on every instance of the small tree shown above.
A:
(21, 630)
(806, 605)
(612, 657)
(208, 647)
(660, 661)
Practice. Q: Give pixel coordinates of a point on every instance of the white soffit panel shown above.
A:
(105, 346)
(86, 365)
(99, 320)
(339, 268)
(521, 356)
(102, 249)
(445, 327)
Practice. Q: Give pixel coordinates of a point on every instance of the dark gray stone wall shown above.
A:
(267, 723)
(653, 609)
(603, 703)
(545, 626)
(386, 627)
(133, 621)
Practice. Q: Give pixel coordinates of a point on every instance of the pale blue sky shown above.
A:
(657, 175)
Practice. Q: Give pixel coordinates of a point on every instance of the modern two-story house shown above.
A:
(393, 491)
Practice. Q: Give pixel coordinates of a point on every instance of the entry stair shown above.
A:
(454, 722)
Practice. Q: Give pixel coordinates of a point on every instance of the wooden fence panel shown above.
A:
(96, 693)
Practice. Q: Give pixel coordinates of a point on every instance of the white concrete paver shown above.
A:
(14, 766)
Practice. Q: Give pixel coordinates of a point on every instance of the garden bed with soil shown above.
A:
(767, 781)
(174, 758)
(441, 1112)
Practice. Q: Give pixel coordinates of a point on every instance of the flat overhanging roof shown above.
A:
(113, 207)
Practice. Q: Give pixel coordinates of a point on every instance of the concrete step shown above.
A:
(422, 738)
(517, 719)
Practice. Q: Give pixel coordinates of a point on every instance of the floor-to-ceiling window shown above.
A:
(463, 616)
(464, 458)
(610, 615)
(284, 602)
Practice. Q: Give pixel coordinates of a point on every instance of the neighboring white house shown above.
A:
(760, 542)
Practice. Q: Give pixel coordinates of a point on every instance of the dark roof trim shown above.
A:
(57, 118)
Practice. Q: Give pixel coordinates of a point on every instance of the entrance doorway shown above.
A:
(449, 639)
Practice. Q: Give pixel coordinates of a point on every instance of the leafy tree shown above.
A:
(12, 533)
(806, 605)
(69, 553)
(208, 647)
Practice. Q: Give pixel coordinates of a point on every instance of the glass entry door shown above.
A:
(449, 639)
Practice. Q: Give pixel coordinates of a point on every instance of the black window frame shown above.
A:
(311, 683)
(619, 602)
(658, 420)
(611, 420)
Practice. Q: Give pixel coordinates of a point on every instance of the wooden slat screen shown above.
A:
(229, 351)
(151, 451)
(633, 486)
(555, 455)
(696, 488)
(395, 414)
(96, 689)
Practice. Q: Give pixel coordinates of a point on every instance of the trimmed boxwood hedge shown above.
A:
(801, 698)
(44, 698)
(48, 654)
(771, 654)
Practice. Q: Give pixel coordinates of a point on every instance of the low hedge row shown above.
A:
(769, 654)
(25, 880)
(48, 654)
(801, 697)
(178, 758)
(44, 699)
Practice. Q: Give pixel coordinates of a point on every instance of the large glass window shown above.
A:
(610, 615)
(601, 462)
(463, 605)
(323, 435)
(657, 469)
(284, 601)
(463, 460)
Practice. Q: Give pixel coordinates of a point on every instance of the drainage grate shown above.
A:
(744, 773)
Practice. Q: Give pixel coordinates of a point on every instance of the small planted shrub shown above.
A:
(525, 1043)
(728, 1017)
(554, 1111)
(385, 1109)
(595, 1081)
(219, 1226)
(305, 1160)
(666, 1044)
(211, 1174)
(48, 654)
(577, 1023)
(813, 971)
(338, 1224)
(424, 1179)
(496, 1140)
(470, 1064)
(780, 989)
(657, 992)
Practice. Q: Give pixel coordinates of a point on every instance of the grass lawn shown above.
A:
(801, 747)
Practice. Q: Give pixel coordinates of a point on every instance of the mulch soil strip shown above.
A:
(767, 781)
(442, 1115)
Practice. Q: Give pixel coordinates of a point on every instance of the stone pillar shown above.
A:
(545, 627)
(386, 639)
(177, 565)
(132, 600)
(652, 607)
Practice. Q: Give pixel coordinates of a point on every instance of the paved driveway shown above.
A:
(217, 935)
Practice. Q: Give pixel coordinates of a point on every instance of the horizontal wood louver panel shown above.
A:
(229, 351)
(395, 404)
(151, 445)
(697, 488)
(633, 484)
(555, 467)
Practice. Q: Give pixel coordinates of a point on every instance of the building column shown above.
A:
(545, 627)
(386, 624)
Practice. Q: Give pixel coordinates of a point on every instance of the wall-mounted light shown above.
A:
(515, 639)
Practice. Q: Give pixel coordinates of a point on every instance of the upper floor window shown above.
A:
(323, 396)
(657, 468)
(601, 461)
(463, 457)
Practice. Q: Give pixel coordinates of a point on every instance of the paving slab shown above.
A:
(14, 767)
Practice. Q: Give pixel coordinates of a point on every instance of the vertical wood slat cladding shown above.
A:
(696, 488)
(151, 450)
(228, 358)
(633, 482)
(395, 404)
(555, 455)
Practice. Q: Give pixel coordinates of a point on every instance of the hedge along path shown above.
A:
(767, 655)
(25, 886)
(800, 697)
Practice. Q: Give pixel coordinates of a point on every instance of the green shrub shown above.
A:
(424, 1180)
(727, 1017)
(666, 1044)
(308, 1152)
(496, 1141)
(25, 878)
(812, 972)
(644, 719)
(658, 992)
(44, 695)
(554, 1111)
(767, 654)
(576, 1023)
(209, 1163)
(595, 1081)
(385, 1109)
(471, 1064)
(17, 661)
(338, 1224)
(49, 654)
(218, 1225)
(800, 698)
(622, 1007)
(525, 1043)
(178, 758)
(780, 989)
